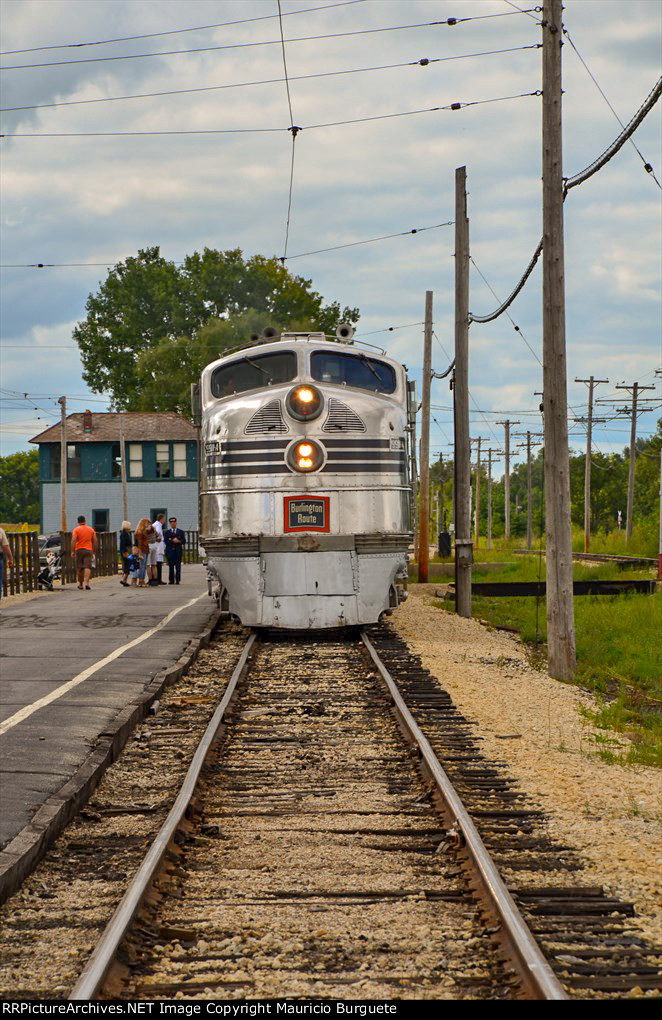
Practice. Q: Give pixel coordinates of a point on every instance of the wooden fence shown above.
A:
(25, 553)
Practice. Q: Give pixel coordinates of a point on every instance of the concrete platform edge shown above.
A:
(23, 853)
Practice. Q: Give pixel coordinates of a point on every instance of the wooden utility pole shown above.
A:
(424, 525)
(489, 496)
(529, 497)
(463, 543)
(562, 659)
(125, 494)
(591, 383)
(441, 488)
(635, 389)
(477, 519)
(506, 478)
(63, 463)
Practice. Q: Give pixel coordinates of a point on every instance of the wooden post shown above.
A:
(562, 661)
(506, 478)
(629, 519)
(489, 498)
(463, 543)
(477, 526)
(424, 524)
(592, 383)
(63, 463)
(125, 494)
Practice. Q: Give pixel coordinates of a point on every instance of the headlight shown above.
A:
(305, 455)
(304, 402)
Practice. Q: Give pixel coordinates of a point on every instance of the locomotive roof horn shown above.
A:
(344, 331)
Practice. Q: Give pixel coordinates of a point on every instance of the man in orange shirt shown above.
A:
(83, 547)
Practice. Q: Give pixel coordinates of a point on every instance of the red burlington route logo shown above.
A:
(306, 513)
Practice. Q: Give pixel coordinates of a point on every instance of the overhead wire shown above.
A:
(459, 105)
(422, 62)
(177, 31)
(249, 45)
(572, 182)
(647, 166)
(294, 131)
(337, 247)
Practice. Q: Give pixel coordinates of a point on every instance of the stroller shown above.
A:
(50, 571)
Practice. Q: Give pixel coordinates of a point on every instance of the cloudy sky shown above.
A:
(83, 201)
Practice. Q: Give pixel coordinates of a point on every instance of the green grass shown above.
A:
(619, 658)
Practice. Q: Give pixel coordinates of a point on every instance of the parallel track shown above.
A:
(310, 710)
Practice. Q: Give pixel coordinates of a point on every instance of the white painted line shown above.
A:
(26, 712)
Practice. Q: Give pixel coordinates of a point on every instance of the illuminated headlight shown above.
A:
(304, 402)
(305, 455)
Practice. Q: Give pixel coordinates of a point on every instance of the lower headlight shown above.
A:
(305, 455)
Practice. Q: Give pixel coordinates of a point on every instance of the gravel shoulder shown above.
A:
(611, 814)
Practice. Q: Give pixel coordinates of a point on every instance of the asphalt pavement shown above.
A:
(71, 663)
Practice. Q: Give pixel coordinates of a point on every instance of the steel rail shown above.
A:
(531, 965)
(99, 963)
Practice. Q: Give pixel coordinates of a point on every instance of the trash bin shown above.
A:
(444, 544)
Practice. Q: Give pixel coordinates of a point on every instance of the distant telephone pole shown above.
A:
(463, 542)
(562, 660)
(635, 389)
(125, 495)
(63, 463)
(477, 514)
(591, 383)
(529, 486)
(489, 495)
(424, 524)
(506, 478)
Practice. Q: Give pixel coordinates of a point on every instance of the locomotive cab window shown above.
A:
(252, 372)
(356, 370)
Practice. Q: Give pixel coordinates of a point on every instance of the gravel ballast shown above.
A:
(610, 813)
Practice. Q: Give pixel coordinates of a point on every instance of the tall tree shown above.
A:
(19, 488)
(146, 319)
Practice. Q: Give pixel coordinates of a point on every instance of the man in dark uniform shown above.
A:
(175, 540)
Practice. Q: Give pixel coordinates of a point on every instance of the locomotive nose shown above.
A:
(304, 402)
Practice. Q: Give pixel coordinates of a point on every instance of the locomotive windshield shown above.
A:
(251, 372)
(353, 370)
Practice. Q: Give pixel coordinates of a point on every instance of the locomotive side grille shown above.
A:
(268, 419)
(341, 418)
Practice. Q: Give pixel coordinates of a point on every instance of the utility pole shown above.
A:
(63, 463)
(424, 526)
(529, 499)
(463, 543)
(489, 495)
(591, 383)
(635, 389)
(562, 658)
(506, 478)
(125, 494)
(477, 518)
(441, 487)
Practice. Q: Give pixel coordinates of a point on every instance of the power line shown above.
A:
(263, 42)
(256, 131)
(294, 130)
(337, 247)
(593, 168)
(371, 240)
(175, 31)
(647, 166)
(423, 62)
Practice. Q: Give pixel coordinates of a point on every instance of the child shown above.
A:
(133, 563)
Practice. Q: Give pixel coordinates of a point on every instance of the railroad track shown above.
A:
(312, 860)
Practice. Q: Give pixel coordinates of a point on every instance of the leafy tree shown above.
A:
(148, 319)
(19, 487)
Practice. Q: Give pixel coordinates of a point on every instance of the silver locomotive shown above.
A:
(306, 489)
